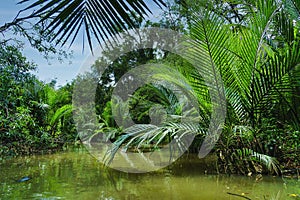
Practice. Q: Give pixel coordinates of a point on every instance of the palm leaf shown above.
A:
(274, 79)
(293, 9)
(98, 19)
(211, 55)
(139, 135)
(268, 161)
(258, 67)
(59, 113)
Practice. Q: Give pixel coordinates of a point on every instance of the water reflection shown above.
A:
(77, 175)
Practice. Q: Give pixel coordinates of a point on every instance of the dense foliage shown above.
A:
(254, 45)
(33, 115)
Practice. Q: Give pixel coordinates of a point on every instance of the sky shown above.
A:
(47, 70)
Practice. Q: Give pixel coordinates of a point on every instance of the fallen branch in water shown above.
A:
(238, 195)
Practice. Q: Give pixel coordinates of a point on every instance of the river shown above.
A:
(78, 175)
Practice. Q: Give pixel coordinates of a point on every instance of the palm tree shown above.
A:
(258, 60)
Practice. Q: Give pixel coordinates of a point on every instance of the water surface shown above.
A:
(78, 175)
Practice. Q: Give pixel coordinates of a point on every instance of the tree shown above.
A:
(33, 115)
(22, 108)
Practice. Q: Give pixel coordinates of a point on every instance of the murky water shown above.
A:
(77, 175)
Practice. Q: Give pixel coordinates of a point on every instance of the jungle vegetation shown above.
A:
(253, 44)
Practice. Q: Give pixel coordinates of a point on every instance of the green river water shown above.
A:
(78, 175)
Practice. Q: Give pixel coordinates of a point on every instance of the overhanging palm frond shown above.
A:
(141, 135)
(98, 19)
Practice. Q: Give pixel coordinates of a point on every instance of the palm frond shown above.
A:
(293, 9)
(210, 54)
(259, 66)
(273, 78)
(268, 161)
(250, 52)
(97, 19)
(62, 111)
(140, 135)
